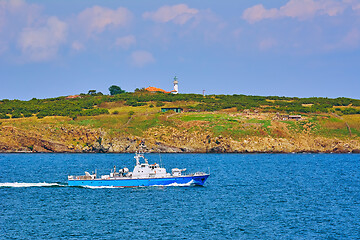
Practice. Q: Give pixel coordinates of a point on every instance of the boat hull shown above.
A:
(198, 180)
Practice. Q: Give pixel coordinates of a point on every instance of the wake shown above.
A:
(191, 183)
(45, 184)
(25, 185)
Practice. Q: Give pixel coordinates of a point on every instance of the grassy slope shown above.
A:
(230, 123)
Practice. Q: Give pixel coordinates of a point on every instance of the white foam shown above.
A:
(18, 185)
(97, 187)
(177, 184)
(169, 185)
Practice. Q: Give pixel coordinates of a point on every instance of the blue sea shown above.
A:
(247, 196)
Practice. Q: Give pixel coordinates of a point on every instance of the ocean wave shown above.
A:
(98, 187)
(21, 185)
(191, 183)
(45, 184)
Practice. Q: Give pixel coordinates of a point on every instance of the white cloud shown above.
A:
(258, 13)
(3, 47)
(125, 42)
(355, 5)
(267, 44)
(141, 58)
(179, 14)
(237, 33)
(15, 13)
(352, 3)
(42, 43)
(78, 46)
(299, 9)
(351, 39)
(96, 19)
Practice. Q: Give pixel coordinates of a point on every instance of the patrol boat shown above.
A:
(143, 175)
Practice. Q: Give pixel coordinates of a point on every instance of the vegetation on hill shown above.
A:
(88, 104)
(214, 123)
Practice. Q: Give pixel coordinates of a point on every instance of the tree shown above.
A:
(92, 92)
(115, 90)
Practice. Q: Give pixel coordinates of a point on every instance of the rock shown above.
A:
(86, 149)
(356, 151)
(340, 149)
(52, 138)
(218, 149)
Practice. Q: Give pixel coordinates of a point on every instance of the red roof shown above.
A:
(73, 96)
(155, 89)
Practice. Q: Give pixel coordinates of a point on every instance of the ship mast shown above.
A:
(140, 154)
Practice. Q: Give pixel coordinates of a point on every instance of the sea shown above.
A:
(247, 196)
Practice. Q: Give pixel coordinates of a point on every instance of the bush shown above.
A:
(4, 116)
(61, 106)
(159, 104)
(16, 115)
(27, 114)
(73, 117)
(134, 103)
(93, 112)
(348, 111)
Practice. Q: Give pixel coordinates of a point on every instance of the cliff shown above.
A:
(220, 132)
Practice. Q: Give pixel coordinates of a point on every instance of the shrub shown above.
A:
(27, 114)
(4, 116)
(159, 104)
(134, 103)
(16, 115)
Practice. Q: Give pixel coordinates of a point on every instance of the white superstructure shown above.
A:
(146, 170)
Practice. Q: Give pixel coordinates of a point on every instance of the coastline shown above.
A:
(65, 138)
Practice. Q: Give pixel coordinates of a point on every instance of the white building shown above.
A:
(176, 86)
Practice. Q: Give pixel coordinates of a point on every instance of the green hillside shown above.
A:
(211, 120)
(96, 104)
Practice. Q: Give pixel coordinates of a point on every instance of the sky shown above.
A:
(295, 48)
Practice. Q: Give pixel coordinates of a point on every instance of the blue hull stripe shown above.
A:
(195, 180)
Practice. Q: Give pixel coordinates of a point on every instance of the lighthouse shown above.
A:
(176, 86)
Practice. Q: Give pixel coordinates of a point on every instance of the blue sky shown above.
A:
(298, 48)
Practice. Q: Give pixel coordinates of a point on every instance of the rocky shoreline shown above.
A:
(167, 140)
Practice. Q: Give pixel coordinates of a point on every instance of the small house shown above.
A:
(73, 96)
(177, 110)
(295, 117)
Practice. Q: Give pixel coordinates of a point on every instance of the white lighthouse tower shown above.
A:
(176, 86)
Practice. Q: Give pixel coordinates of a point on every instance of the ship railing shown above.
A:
(83, 177)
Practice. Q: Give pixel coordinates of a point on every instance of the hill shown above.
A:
(215, 123)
